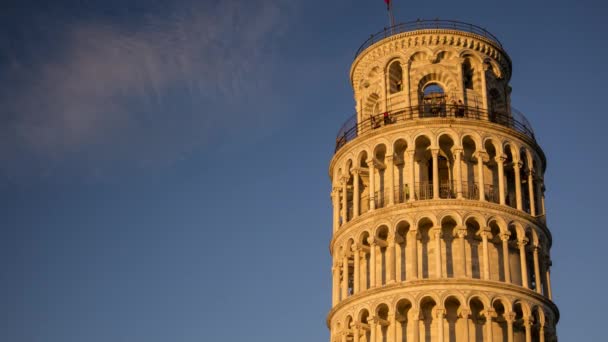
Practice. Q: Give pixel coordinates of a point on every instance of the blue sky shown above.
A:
(163, 166)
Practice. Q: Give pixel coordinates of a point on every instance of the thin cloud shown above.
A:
(147, 92)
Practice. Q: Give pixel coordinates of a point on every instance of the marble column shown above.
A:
(510, 318)
(413, 247)
(548, 277)
(481, 156)
(488, 325)
(500, 162)
(461, 232)
(415, 319)
(528, 327)
(390, 173)
(345, 275)
(412, 182)
(390, 259)
(357, 271)
(436, 234)
(344, 182)
(531, 192)
(464, 315)
(505, 256)
(524, 265)
(516, 167)
(372, 184)
(537, 278)
(486, 255)
(372, 261)
(440, 317)
(356, 192)
(335, 199)
(335, 294)
(435, 154)
(458, 161)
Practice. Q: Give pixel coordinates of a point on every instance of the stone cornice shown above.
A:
(436, 205)
(427, 286)
(430, 38)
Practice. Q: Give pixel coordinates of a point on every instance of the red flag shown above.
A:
(388, 3)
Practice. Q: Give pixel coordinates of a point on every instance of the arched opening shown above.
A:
(454, 325)
(509, 175)
(433, 101)
(498, 107)
(467, 74)
(426, 252)
(477, 322)
(428, 323)
(395, 77)
(402, 318)
(365, 264)
(371, 110)
(496, 253)
(350, 264)
(381, 258)
(363, 319)
(445, 161)
(499, 323)
(348, 178)
(402, 234)
(470, 188)
(424, 169)
(363, 183)
(524, 171)
(448, 225)
(473, 248)
(532, 281)
(348, 327)
(402, 189)
(491, 173)
(519, 330)
(383, 324)
(514, 257)
(381, 193)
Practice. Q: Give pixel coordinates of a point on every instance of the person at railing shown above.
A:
(372, 121)
(387, 118)
(460, 109)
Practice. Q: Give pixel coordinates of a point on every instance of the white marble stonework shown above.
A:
(439, 229)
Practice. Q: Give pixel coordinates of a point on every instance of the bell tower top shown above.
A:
(431, 62)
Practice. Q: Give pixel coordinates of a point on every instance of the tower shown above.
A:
(439, 230)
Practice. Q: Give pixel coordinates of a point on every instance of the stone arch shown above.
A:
(394, 73)
(428, 324)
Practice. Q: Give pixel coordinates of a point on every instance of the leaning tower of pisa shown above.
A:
(439, 230)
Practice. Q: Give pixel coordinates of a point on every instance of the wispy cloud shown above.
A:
(145, 90)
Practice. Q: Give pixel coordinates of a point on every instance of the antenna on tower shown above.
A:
(389, 9)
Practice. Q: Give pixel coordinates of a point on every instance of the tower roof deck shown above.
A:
(423, 24)
(514, 120)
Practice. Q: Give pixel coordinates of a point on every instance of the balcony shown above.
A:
(427, 25)
(514, 119)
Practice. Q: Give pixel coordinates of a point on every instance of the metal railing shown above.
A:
(426, 25)
(512, 119)
(424, 190)
(492, 194)
(470, 190)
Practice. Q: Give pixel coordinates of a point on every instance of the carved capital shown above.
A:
(464, 313)
(505, 236)
(522, 243)
(435, 152)
(517, 165)
(436, 232)
(461, 232)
